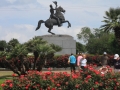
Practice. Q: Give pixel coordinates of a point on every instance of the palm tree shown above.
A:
(112, 22)
(44, 50)
(41, 50)
(31, 46)
(56, 47)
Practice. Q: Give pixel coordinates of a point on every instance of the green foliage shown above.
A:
(2, 54)
(56, 47)
(18, 50)
(99, 41)
(3, 45)
(85, 34)
(111, 19)
(80, 48)
(44, 49)
(13, 42)
(32, 43)
(101, 44)
(112, 22)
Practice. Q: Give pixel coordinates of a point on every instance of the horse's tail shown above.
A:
(39, 24)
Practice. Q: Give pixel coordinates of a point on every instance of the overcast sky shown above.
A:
(19, 18)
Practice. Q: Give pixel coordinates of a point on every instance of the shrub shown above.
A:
(90, 79)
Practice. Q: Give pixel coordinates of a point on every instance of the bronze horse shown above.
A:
(49, 23)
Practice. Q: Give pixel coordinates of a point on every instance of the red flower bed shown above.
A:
(91, 79)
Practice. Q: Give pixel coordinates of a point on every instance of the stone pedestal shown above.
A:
(67, 43)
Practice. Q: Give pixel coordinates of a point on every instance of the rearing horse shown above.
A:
(49, 23)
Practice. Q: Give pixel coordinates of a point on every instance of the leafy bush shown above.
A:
(90, 79)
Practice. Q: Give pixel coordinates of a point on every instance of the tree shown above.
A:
(85, 34)
(15, 57)
(98, 41)
(31, 46)
(80, 47)
(56, 47)
(41, 49)
(99, 45)
(3, 45)
(11, 44)
(112, 22)
(44, 50)
(10, 56)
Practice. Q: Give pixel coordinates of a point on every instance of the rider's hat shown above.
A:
(50, 5)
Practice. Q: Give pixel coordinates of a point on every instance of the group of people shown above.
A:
(116, 61)
(81, 61)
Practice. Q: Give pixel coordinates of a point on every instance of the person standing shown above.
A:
(104, 59)
(72, 59)
(83, 62)
(116, 63)
(79, 57)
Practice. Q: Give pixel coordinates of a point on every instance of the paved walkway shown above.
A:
(8, 73)
(4, 72)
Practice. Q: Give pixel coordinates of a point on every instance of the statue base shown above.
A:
(66, 42)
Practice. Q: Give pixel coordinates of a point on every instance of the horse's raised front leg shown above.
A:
(49, 30)
(69, 25)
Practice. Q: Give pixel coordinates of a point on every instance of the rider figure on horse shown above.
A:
(52, 15)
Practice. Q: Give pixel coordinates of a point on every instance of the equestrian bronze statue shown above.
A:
(56, 18)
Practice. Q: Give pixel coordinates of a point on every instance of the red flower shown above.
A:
(11, 85)
(117, 84)
(74, 76)
(96, 72)
(66, 83)
(88, 76)
(8, 81)
(53, 89)
(48, 73)
(58, 84)
(26, 87)
(2, 85)
(96, 83)
(86, 81)
(49, 69)
(77, 86)
(14, 75)
(48, 88)
(22, 76)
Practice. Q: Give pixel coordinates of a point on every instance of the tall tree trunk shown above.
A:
(117, 34)
(41, 62)
(36, 55)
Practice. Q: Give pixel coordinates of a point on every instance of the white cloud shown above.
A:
(11, 35)
(25, 27)
(11, 1)
(21, 32)
(19, 18)
(69, 31)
